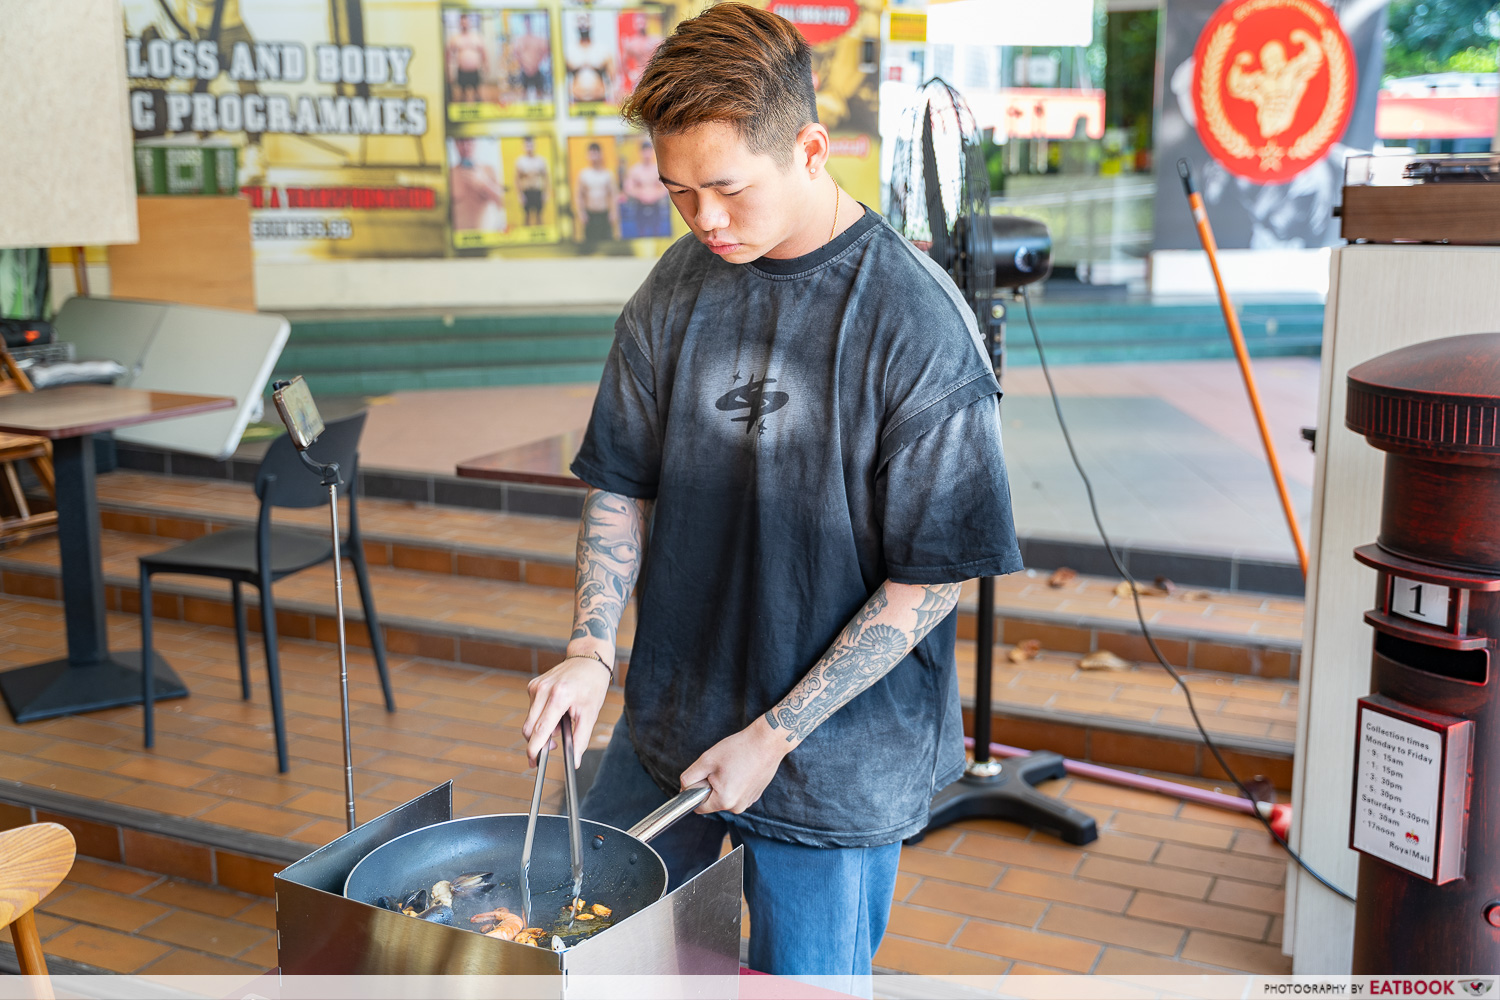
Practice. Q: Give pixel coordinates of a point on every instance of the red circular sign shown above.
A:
(818, 20)
(1273, 86)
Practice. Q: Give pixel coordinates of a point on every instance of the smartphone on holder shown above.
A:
(298, 411)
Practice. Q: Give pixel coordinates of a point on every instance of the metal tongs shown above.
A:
(575, 832)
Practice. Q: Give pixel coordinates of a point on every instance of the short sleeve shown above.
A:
(621, 451)
(945, 500)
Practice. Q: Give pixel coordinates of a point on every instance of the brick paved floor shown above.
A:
(127, 920)
(214, 759)
(1169, 887)
(1165, 890)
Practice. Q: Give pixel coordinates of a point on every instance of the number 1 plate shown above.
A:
(1426, 602)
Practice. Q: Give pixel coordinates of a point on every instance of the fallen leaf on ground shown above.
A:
(1062, 576)
(1144, 589)
(1024, 650)
(1262, 789)
(1103, 659)
(1167, 585)
(1196, 595)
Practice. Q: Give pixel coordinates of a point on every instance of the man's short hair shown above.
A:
(735, 64)
(594, 147)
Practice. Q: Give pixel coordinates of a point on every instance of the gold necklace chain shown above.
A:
(835, 212)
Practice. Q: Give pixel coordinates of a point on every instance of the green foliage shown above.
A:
(1437, 36)
(1130, 40)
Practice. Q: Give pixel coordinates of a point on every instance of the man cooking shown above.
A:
(796, 448)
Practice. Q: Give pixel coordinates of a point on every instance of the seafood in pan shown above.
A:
(435, 904)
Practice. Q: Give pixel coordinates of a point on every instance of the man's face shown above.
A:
(648, 155)
(596, 157)
(465, 148)
(530, 145)
(741, 205)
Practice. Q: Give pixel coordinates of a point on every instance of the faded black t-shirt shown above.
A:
(808, 428)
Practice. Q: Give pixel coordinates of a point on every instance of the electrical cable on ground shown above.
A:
(1140, 615)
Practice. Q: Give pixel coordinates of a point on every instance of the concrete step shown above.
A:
(449, 353)
(411, 379)
(1112, 718)
(379, 355)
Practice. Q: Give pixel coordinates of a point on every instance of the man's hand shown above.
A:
(738, 768)
(575, 687)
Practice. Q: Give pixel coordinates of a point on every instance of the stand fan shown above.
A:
(940, 200)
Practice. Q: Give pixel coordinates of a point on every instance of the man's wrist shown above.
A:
(770, 737)
(601, 653)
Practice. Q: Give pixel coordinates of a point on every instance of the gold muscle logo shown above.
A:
(1275, 79)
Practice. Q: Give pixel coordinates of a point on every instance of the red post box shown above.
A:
(1426, 808)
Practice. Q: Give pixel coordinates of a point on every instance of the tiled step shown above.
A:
(1241, 633)
(398, 533)
(1138, 717)
(481, 622)
(1113, 718)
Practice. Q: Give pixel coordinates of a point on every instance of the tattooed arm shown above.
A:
(610, 544)
(889, 626)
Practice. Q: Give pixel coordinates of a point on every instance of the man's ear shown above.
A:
(812, 148)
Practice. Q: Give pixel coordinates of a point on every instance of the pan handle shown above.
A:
(670, 812)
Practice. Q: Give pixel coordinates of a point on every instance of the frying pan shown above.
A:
(620, 869)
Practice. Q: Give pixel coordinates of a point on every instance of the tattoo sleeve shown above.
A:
(891, 623)
(610, 543)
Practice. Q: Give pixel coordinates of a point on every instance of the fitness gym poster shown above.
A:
(432, 128)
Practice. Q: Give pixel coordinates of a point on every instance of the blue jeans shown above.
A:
(814, 911)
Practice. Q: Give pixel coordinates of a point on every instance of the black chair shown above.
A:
(262, 555)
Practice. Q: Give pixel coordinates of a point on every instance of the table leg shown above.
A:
(78, 546)
(89, 679)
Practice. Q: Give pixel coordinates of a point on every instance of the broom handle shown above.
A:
(1237, 338)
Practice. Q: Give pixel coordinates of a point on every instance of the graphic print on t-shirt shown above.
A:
(754, 397)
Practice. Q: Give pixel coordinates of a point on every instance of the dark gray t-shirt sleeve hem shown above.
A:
(957, 397)
(922, 576)
(600, 480)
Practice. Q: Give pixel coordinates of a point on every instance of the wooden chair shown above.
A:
(16, 517)
(33, 861)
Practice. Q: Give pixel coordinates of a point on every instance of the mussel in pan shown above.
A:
(437, 913)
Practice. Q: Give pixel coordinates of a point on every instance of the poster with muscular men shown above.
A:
(498, 63)
(422, 128)
(334, 123)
